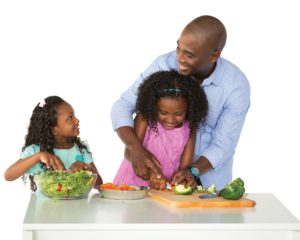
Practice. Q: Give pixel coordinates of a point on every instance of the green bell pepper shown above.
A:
(234, 190)
(182, 190)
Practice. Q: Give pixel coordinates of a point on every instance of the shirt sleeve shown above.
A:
(124, 107)
(227, 131)
(28, 152)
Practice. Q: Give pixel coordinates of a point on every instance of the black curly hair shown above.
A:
(171, 84)
(43, 119)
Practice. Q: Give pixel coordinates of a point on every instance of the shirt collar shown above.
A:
(213, 78)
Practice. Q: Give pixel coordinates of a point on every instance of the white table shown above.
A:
(97, 218)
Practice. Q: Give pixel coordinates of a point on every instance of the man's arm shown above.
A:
(227, 131)
(225, 135)
(121, 115)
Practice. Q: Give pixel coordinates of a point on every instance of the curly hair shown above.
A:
(171, 84)
(42, 120)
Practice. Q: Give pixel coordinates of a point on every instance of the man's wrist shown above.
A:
(133, 145)
(195, 171)
(196, 174)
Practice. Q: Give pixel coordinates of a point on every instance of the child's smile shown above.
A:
(171, 111)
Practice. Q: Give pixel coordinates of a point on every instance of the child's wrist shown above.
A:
(38, 157)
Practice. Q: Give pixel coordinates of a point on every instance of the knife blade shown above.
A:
(210, 195)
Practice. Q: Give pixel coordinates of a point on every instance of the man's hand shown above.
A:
(141, 159)
(157, 183)
(184, 177)
(51, 160)
(143, 162)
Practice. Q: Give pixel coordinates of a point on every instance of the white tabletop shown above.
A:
(96, 210)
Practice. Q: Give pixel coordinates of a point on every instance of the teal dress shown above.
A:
(67, 156)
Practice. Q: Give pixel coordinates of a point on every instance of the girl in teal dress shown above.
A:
(52, 142)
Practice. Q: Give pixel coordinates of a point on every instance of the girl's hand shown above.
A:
(184, 177)
(157, 183)
(51, 160)
(79, 166)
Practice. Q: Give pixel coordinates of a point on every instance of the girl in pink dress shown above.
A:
(170, 107)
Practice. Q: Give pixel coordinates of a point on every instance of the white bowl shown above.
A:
(138, 193)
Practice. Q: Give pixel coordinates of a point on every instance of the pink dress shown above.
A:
(166, 145)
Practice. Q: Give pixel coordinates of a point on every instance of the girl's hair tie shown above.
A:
(42, 103)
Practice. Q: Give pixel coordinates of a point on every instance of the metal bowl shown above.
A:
(138, 193)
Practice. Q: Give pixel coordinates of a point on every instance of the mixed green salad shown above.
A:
(68, 185)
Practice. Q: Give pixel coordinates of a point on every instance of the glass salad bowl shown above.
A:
(60, 185)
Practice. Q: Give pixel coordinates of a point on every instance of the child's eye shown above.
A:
(70, 117)
(163, 113)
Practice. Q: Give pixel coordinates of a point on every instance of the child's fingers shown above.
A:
(59, 164)
(47, 164)
(56, 164)
(178, 178)
(53, 164)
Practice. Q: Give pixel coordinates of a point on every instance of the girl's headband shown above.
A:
(173, 90)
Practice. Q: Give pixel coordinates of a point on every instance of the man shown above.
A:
(228, 92)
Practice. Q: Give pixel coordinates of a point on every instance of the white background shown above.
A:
(89, 52)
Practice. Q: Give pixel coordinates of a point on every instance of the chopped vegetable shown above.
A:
(211, 189)
(234, 190)
(182, 190)
(111, 186)
(66, 185)
(200, 189)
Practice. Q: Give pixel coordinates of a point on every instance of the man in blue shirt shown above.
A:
(198, 54)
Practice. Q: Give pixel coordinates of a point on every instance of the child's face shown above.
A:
(67, 124)
(171, 112)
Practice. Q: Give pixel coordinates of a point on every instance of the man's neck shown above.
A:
(201, 77)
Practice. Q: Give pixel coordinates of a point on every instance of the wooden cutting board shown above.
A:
(193, 200)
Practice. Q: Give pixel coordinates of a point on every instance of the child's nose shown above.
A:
(171, 119)
(76, 120)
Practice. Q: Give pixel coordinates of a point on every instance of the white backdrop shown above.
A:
(89, 52)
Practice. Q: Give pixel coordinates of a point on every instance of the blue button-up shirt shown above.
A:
(228, 93)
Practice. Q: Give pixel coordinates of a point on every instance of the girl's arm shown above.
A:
(183, 175)
(188, 153)
(21, 166)
(140, 127)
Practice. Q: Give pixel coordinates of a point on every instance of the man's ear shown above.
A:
(215, 56)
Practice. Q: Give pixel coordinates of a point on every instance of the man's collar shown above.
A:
(213, 78)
